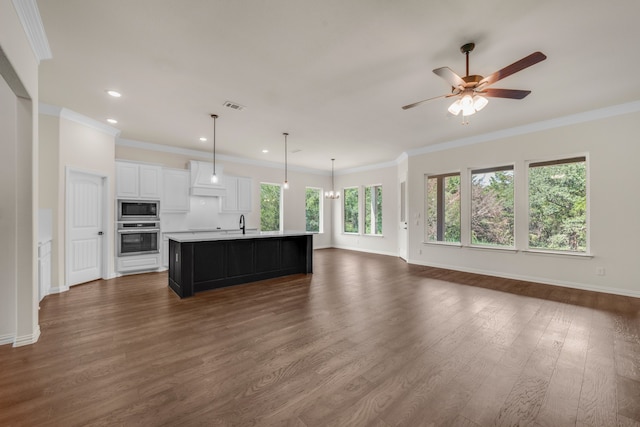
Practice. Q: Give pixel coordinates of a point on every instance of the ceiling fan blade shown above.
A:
(415, 104)
(504, 93)
(520, 65)
(452, 78)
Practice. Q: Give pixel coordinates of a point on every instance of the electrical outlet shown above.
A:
(600, 271)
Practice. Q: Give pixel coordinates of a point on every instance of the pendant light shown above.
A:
(332, 194)
(286, 182)
(214, 177)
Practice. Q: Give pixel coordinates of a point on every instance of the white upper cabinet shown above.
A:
(238, 196)
(138, 180)
(175, 190)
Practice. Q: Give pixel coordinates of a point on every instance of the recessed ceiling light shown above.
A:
(114, 93)
(203, 139)
(112, 121)
(265, 151)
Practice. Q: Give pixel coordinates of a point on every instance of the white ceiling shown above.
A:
(332, 73)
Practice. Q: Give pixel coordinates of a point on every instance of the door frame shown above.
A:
(403, 223)
(104, 261)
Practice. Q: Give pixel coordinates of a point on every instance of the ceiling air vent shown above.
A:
(234, 105)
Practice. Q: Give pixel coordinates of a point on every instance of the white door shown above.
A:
(402, 232)
(84, 227)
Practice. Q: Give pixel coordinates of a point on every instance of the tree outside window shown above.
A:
(442, 222)
(270, 207)
(373, 209)
(313, 209)
(558, 205)
(350, 210)
(492, 206)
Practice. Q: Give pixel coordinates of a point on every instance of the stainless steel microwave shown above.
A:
(138, 210)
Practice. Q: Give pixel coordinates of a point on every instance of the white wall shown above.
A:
(612, 149)
(49, 182)
(88, 149)
(70, 141)
(8, 215)
(19, 134)
(387, 244)
(294, 197)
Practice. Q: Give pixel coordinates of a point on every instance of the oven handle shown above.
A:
(138, 230)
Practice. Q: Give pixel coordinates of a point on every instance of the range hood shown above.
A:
(201, 179)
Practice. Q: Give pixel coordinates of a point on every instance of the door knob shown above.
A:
(100, 233)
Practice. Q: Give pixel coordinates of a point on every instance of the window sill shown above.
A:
(558, 253)
(346, 233)
(373, 235)
(449, 244)
(509, 249)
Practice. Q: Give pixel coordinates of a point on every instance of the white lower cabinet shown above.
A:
(138, 263)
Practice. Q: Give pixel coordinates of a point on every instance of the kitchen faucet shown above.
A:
(242, 224)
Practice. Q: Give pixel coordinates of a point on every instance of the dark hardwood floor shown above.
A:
(365, 340)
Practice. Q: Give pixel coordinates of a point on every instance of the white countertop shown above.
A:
(204, 236)
(211, 230)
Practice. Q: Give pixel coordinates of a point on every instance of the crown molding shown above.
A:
(64, 113)
(29, 15)
(587, 116)
(207, 154)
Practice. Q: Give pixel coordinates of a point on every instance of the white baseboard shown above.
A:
(323, 247)
(58, 290)
(349, 248)
(6, 339)
(27, 339)
(535, 279)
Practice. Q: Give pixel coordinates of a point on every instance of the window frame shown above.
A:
(344, 210)
(320, 209)
(480, 170)
(441, 212)
(366, 208)
(280, 207)
(559, 160)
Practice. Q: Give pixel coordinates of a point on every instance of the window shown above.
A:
(373, 209)
(350, 210)
(492, 220)
(442, 220)
(270, 207)
(558, 205)
(313, 209)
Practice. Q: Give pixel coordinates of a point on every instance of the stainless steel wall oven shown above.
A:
(138, 238)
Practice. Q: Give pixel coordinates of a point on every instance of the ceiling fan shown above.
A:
(471, 90)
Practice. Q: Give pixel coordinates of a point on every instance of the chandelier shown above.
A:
(332, 194)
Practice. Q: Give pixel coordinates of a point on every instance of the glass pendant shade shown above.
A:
(455, 108)
(479, 102)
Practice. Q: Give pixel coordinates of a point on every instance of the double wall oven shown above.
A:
(138, 227)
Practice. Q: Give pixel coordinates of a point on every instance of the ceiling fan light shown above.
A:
(466, 101)
(468, 110)
(455, 108)
(479, 102)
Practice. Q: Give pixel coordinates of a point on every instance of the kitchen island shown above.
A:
(209, 260)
